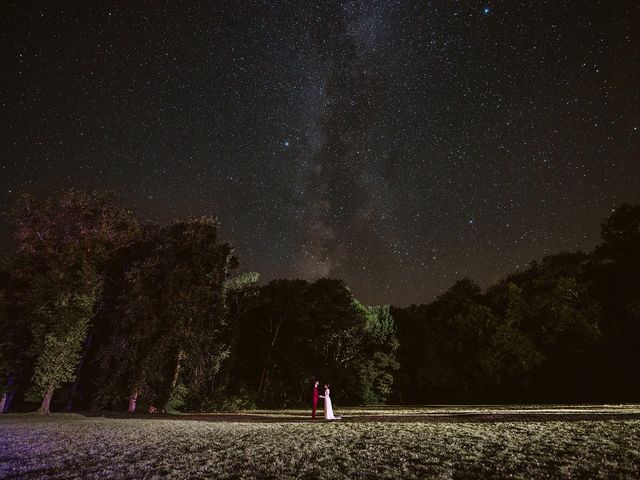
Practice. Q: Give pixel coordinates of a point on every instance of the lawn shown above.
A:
(416, 442)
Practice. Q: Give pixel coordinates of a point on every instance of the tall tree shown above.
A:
(58, 360)
(616, 278)
(511, 354)
(170, 343)
(377, 360)
(297, 331)
(284, 342)
(62, 244)
(564, 324)
(241, 298)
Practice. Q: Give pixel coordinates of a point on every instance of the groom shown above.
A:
(315, 399)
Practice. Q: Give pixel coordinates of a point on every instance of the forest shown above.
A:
(101, 311)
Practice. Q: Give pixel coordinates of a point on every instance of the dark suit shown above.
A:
(315, 401)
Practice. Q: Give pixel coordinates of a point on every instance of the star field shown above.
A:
(398, 145)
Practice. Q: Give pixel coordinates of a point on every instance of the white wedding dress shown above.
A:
(328, 408)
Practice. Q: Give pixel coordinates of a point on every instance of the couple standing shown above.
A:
(328, 408)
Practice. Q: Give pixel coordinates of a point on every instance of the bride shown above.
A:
(328, 409)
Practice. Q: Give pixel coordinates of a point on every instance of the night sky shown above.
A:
(399, 145)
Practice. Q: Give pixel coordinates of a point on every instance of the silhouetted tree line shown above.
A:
(98, 310)
(565, 329)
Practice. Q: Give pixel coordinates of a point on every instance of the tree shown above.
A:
(620, 234)
(6, 354)
(615, 274)
(339, 326)
(551, 329)
(297, 331)
(241, 295)
(62, 244)
(60, 353)
(511, 354)
(456, 349)
(194, 266)
(458, 326)
(16, 362)
(169, 342)
(411, 332)
(283, 343)
(377, 362)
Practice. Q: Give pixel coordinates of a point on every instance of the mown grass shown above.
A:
(73, 446)
(419, 410)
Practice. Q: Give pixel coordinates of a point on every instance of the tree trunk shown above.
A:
(176, 373)
(228, 366)
(85, 348)
(267, 360)
(46, 401)
(3, 399)
(176, 376)
(133, 398)
(8, 395)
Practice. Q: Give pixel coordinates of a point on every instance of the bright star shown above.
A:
(286, 143)
(486, 10)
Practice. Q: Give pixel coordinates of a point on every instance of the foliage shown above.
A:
(171, 315)
(163, 318)
(177, 398)
(62, 244)
(511, 354)
(60, 354)
(297, 331)
(378, 361)
(241, 282)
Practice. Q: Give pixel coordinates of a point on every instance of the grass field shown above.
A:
(409, 442)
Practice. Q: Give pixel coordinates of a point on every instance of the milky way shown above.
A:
(398, 145)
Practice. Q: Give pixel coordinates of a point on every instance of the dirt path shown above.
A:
(364, 418)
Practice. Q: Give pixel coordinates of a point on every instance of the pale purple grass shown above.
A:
(73, 446)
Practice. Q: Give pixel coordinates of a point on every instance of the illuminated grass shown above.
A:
(73, 446)
(417, 411)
